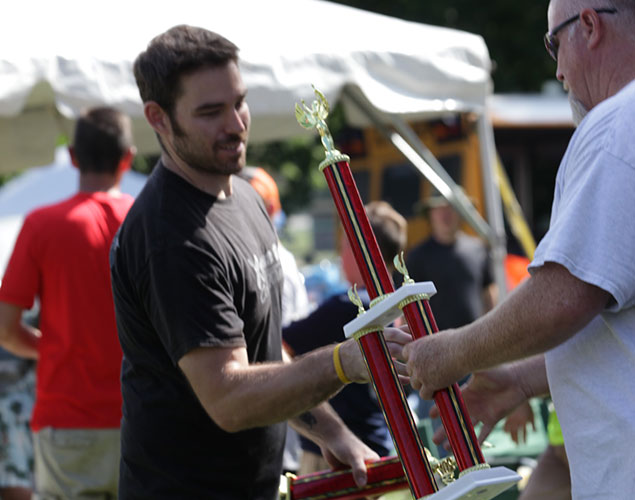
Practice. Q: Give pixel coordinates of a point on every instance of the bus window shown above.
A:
(400, 187)
(362, 179)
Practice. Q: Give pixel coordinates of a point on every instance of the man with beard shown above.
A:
(197, 288)
(578, 305)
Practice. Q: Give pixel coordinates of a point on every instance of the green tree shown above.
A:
(294, 164)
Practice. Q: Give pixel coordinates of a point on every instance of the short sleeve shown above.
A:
(592, 229)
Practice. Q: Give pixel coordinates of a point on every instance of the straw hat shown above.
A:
(436, 200)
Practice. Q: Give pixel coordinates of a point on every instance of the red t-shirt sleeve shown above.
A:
(22, 276)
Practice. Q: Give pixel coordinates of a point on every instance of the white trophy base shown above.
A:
(386, 311)
(477, 485)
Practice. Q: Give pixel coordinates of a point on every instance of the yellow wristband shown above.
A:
(338, 365)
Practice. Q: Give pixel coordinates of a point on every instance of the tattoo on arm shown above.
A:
(308, 419)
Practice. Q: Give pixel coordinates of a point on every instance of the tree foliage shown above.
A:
(294, 164)
(513, 33)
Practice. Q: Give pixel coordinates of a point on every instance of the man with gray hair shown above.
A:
(568, 329)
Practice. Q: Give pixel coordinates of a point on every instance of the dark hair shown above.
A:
(180, 50)
(102, 136)
(390, 228)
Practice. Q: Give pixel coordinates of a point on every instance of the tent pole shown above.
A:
(409, 144)
(493, 203)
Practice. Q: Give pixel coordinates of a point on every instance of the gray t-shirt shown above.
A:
(592, 234)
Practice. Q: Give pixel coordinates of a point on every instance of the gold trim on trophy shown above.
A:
(473, 468)
(414, 298)
(378, 299)
(444, 467)
(365, 331)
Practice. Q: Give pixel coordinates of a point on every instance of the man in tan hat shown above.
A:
(457, 264)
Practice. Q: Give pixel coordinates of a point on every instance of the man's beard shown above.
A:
(578, 110)
(202, 161)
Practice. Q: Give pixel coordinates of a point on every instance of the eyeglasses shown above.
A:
(551, 40)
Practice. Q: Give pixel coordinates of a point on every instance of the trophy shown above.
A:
(476, 479)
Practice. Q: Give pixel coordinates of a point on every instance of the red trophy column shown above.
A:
(378, 284)
(385, 381)
(454, 416)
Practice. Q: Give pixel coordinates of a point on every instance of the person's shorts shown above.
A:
(16, 446)
(76, 463)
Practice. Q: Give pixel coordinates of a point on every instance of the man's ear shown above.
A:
(126, 160)
(156, 117)
(71, 152)
(592, 27)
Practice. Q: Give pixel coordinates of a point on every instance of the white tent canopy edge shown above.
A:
(65, 58)
(62, 60)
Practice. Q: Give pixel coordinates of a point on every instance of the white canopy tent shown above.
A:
(59, 57)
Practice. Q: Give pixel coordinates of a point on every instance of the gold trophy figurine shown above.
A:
(315, 117)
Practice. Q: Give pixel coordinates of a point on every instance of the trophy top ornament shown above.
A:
(315, 117)
(400, 265)
(354, 297)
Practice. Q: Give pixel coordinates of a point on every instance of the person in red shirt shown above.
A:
(61, 258)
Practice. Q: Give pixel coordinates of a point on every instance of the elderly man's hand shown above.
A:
(489, 395)
(518, 422)
(433, 363)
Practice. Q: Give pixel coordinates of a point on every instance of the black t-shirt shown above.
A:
(460, 273)
(190, 270)
(356, 404)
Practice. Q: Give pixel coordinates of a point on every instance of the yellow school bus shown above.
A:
(382, 172)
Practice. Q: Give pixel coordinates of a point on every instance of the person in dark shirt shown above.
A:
(458, 265)
(356, 404)
(197, 282)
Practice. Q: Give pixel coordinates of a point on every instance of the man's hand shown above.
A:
(346, 450)
(353, 359)
(517, 421)
(489, 396)
(433, 363)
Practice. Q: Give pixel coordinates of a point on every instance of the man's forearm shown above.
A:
(16, 337)
(226, 383)
(274, 392)
(319, 424)
(22, 341)
(540, 314)
(531, 374)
